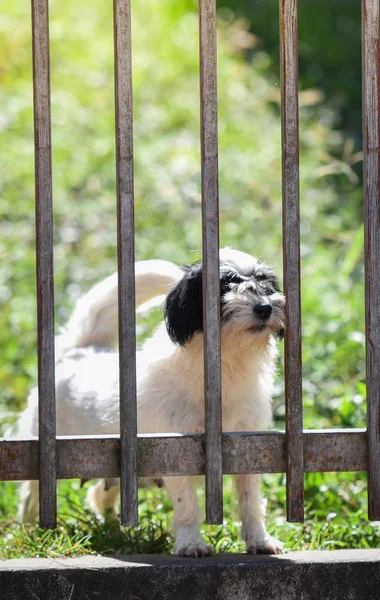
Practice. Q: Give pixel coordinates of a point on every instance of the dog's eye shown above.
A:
(260, 277)
(230, 282)
(235, 279)
(231, 279)
(268, 286)
(265, 288)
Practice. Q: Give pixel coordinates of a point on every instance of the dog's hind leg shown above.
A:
(29, 501)
(251, 506)
(102, 498)
(188, 539)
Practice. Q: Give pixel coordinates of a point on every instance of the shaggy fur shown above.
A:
(170, 379)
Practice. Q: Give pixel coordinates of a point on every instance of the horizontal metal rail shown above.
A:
(163, 455)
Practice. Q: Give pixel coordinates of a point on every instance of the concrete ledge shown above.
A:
(348, 574)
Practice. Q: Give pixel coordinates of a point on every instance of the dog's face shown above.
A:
(250, 300)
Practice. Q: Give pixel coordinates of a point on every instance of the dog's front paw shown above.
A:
(195, 550)
(268, 545)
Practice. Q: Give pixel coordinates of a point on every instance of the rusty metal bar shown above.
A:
(371, 157)
(291, 252)
(210, 246)
(44, 249)
(126, 261)
(260, 452)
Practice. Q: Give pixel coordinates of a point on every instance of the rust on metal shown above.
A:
(371, 158)
(44, 249)
(166, 455)
(126, 260)
(210, 247)
(291, 252)
(335, 450)
(19, 460)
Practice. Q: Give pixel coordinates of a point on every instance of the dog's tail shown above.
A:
(95, 316)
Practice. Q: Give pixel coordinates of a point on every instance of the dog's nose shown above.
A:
(263, 311)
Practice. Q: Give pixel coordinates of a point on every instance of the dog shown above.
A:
(170, 391)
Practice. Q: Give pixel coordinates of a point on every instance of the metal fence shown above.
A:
(213, 454)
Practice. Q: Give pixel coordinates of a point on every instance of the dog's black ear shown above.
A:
(184, 306)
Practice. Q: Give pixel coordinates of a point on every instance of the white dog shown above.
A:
(170, 378)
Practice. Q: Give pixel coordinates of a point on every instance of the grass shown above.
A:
(335, 508)
(167, 189)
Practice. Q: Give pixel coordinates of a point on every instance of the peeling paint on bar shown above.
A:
(44, 250)
(210, 244)
(126, 260)
(292, 262)
(371, 158)
(260, 452)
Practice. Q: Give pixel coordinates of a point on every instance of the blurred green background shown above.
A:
(167, 191)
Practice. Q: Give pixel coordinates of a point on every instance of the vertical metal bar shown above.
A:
(291, 251)
(210, 245)
(371, 155)
(44, 248)
(126, 261)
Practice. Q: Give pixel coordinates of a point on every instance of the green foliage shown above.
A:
(329, 34)
(167, 189)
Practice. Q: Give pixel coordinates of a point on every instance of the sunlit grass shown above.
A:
(335, 518)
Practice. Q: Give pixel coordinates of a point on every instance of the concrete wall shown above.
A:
(347, 574)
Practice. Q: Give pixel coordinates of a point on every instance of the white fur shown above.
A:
(170, 392)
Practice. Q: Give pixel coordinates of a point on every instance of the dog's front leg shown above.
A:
(253, 532)
(188, 540)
